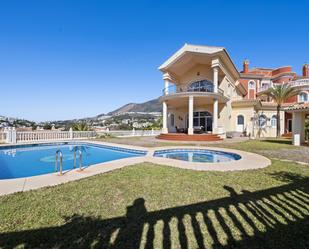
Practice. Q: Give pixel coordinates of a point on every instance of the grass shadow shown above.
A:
(272, 218)
(278, 141)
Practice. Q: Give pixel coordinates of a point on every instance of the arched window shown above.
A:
(240, 120)
(273, 121)
(201, 86)
(303, 97)
(251, 84)
(262, 121)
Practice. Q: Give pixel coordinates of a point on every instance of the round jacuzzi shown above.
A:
(198, 155)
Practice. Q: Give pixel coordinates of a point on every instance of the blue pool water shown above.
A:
(31, 160)
(202, 156)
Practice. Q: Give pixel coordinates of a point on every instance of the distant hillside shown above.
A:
(149, 106)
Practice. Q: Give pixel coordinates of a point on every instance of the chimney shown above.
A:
(306, 70)
(246, 66)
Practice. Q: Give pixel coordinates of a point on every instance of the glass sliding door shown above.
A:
(202, 120)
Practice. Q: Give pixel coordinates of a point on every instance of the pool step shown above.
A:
(186, 137)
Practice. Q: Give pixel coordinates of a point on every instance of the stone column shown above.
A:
(71, 133)
(164, 121)
(215, 117)
(166, 86)
(166, 78)
(191, 103)
(215, 79)
(298, 126)
(215, 106)
(14, 136)
(8, 134)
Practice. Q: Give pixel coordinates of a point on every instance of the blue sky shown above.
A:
(66, 59)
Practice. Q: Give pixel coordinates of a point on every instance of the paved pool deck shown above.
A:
(248, 161)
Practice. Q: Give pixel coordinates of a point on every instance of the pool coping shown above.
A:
(248, 161)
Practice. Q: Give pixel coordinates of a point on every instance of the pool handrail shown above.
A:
(58, 152)
(76, 148)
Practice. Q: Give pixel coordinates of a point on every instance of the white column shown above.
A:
(298, 126)
(71, 133)
(190, 128)
(215, 107)
(215, 117)
(215, 79)
(164, 129)
(282, 122)
(166, 85)
(8, 134)
(14, 136)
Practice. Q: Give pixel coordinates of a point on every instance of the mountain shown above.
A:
(149, 106)
(140, 109)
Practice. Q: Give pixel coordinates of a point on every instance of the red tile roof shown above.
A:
(298, 106)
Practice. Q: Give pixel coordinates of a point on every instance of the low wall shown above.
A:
(11, 136)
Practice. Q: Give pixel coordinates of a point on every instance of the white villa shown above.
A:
(205, 97)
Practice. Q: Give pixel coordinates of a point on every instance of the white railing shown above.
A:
(130, 133)
(300, 82)
(263, 88)
(293, 83)
(10, 135)
(2, 137)
(176, 89)
(26, 136)
(84, 134)
(13, 136)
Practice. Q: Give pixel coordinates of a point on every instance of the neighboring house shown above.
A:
(205, 93)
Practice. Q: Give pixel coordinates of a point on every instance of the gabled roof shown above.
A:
(198, 49)
(189, 48)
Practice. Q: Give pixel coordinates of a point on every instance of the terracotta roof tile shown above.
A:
(298, 106)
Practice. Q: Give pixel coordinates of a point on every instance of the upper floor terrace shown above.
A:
(299, 83)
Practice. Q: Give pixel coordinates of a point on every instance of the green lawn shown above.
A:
(155, 206)
(264, 144)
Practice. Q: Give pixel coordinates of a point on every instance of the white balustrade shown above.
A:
(293, 83)
(2, 137)
(131, 133)
(300, 82)
(10, 135)
(28, 136)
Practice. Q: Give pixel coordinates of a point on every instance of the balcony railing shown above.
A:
(300, 82)
(263, 88)
(204, 89)
(293, 83)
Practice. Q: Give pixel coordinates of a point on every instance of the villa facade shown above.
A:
(204, 93)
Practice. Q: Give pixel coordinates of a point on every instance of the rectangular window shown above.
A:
(196, 122)
(172, 120)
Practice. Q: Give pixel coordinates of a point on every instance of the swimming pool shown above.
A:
(198, 155)
(37, 159)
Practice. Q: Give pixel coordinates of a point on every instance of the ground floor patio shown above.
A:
(193, 114)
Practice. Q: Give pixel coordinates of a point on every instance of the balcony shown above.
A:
(299, 83)
(293, 83)
(199, 89)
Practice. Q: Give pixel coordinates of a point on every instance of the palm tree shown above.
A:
(280, 93)
(80, 127)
